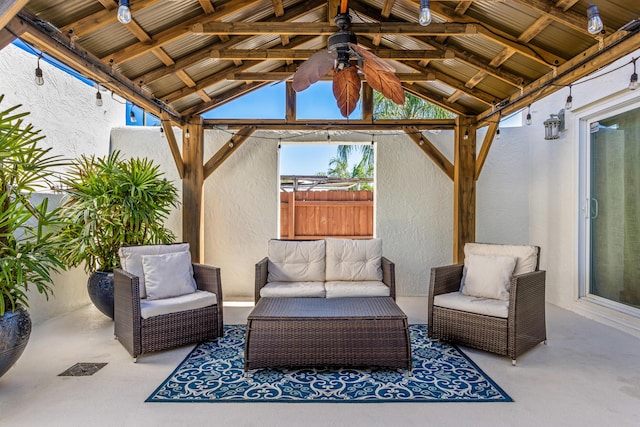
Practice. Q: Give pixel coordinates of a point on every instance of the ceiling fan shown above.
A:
(345, 58)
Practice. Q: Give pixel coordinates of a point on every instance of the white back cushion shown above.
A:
(351, 259)
(526, 256)
(292, 261)
(168, 275)
(488, 276)
(131, 258)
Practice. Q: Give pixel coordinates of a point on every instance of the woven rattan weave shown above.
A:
(327, 332)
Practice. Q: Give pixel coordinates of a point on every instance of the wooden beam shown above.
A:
(173, 144)
(386, 8)
(322, 124)
(192, 147)
(367, 102)
(291, 104)
(101, 19)
(430, 150)
(464, 187)
(486, 146)
(59, 46)
(462, 7)
(227, 150)
(9, 9)
(565, 4)
(278, 8)
(301, 54)
(613, 47)
(6, 38)
(476, 79)
(534, 29)
(206, 6)
(276, 76)
(323, 28)
(174, 33)
(568, 18)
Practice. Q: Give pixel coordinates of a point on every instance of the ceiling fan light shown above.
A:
(424, 18)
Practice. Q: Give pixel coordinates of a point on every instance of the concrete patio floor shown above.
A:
(587, 375)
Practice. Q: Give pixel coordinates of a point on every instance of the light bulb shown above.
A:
(529, 121)
(132, 116)
(98, 98)
(594, 25)
(39, 78)
(498, 134)
(466, 134)
(633, 83)
(124, 13)
(569, 104)
(425, 13)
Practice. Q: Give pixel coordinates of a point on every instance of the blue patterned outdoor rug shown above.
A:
(214, 372)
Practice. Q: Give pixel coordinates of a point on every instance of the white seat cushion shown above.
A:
(168, 275)
(293, 261)
(293, 290)
(352, 259)
(131, 258)
(485, 306)
(192, 301)
(342, 289)
(488, 276)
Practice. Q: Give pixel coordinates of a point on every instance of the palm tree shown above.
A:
(384, 108)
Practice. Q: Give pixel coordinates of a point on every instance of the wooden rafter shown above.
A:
(568, 18)
(316, 125)
(206, 6)
(565, 4)
(462, 7)
(282, 54)
(227, 150)
(430, 150)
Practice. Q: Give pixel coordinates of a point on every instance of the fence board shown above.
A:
(319, 214)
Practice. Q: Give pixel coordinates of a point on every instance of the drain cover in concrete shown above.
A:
(82, 369)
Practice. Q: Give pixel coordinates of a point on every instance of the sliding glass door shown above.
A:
(613, 209)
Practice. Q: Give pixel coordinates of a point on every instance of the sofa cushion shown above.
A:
(488, 276)
(293, 290)
(370, 288)
(526, 255)
(192, 301)
(131, 258)
(294, 261)
(484, 306)
(352, 259)
(168, 275)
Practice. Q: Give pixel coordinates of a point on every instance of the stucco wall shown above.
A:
(555, 205)
(65, 111)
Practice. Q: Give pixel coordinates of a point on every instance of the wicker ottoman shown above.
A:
(327, 332)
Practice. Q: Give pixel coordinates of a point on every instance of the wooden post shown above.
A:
(464, 187)
(367, 102)
(192, 152)
(290, 113)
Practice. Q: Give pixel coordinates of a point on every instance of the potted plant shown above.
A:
(112, 202)
(28, 243)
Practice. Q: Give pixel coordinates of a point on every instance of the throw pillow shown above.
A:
(168, 275)
(489, 276)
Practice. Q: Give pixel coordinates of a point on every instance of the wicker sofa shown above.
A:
(328, 268)
(506, 319)
(148, 319)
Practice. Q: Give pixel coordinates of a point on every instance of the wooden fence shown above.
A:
(319, 214)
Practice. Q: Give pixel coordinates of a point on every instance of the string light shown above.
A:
(39, 77)
(98, 98)
(466, 133)
(124, 13)
(529, 121)
(633, 82)
(424, 18)
(498, 134)
(187, 134)
(132, 116)
(569, 104)
(594, 24)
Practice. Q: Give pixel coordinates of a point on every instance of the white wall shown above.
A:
(65, 111)
(555, 207)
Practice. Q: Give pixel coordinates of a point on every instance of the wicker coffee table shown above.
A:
(327, 332)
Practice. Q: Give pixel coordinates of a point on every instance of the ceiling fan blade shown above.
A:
(310, 71)
(380, 75)
(346, 89)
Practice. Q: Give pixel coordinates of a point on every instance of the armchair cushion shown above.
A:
(350, 259)
(131, 258)
(342, 289)
(488, 276)
(168, 275)
(466, 303)
(192, 301)
(295, 261)
(293, 290)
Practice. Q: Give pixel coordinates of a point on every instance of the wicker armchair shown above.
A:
(523, 328)
(165, 331)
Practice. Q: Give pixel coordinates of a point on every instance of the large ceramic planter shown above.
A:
(15, 328)
(100, 288)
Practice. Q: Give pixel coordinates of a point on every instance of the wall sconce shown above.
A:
(553, 125)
